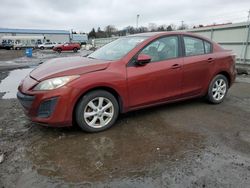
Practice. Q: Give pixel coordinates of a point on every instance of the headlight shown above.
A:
(54, 83)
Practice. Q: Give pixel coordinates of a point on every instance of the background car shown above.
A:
(18, 46)
(130, 73)
(47, 45)
(67, 47)
(7, 45)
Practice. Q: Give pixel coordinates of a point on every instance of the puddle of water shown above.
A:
(9, 85)
(132, 149)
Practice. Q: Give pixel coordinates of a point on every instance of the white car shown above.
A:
(47, 45)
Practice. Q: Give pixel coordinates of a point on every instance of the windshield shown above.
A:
(117, 49)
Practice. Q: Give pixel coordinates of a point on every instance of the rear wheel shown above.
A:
(75, 50)
(42, 48)
(97, 111)
(217, 89)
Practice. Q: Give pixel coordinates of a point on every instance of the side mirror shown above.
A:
(143, 59)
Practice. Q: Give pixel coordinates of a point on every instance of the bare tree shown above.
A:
(92, 33)
(152, 27)
(142, 29)
(162, 27)
(130, 30)
(169, 28)
(100, 33)
(110, 30)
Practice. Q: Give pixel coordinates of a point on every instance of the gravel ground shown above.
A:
(186, 144)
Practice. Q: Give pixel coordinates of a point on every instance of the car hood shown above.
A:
(67, 66)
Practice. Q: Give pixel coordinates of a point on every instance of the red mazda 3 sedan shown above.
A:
(130, 73)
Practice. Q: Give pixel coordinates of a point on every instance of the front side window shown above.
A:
(193, 46)
(162, 49)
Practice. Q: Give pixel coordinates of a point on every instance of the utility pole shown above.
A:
(247, 39)
(182, 25)
(248, 17)
(137, 20)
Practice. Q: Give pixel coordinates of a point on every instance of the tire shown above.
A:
(41, 48)
(217, 90)
(59, 50)
(91, 114)
(75, 50)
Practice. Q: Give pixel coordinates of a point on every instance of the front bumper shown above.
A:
(25, 100)
(53, 108)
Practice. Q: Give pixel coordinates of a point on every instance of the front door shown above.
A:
(159, 80)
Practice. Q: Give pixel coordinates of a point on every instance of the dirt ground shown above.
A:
(13, 59)
(6, 55)
(186, 144)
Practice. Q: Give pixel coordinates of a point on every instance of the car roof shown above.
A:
(162, 33)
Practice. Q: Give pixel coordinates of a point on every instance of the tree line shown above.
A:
(111, 30)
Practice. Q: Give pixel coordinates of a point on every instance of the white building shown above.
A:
(234, 37)
(59, 36)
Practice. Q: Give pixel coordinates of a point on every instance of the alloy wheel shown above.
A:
(219, 89)
(98, 112)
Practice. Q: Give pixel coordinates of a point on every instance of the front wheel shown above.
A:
(97, 111)
(217, 89)
(59, 50)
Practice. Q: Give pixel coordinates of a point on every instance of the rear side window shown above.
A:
(208, 47)
(193, 46)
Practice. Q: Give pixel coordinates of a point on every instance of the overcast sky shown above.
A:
(85, 14)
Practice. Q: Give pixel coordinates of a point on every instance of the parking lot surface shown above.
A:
(186, 144)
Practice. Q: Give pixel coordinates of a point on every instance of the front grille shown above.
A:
(47, 107)
(25, 100)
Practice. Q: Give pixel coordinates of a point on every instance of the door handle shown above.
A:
(210, 60)
(175, 66)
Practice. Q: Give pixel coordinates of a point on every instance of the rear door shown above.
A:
(67, 47)
(49, 45)
(159, 80)
(197, 65)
